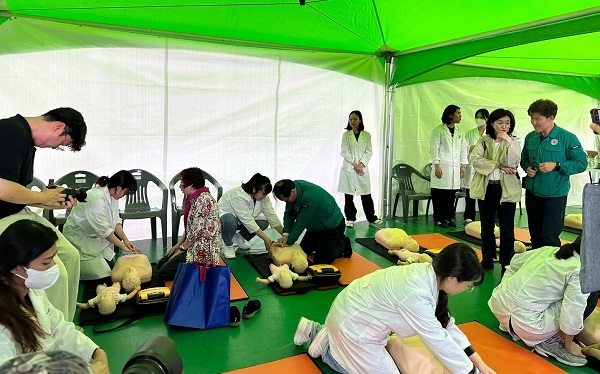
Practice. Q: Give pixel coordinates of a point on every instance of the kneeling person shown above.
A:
(310, 207)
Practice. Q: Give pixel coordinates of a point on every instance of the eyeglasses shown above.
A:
(470, 288)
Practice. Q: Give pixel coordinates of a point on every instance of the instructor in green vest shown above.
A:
(310, 207)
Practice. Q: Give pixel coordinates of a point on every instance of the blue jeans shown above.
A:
(229, 226)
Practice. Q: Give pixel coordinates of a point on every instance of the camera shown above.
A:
(158, 355)
(595, 114)
(78, 193)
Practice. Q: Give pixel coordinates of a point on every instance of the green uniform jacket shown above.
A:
(559, 146)
(314, 210)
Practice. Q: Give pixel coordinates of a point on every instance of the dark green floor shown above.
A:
(268, 336)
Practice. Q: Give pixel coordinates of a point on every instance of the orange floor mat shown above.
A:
(438, 241)
(352, 268)
(503, 355)
(299, 364)
(236, 292)
(523, 235)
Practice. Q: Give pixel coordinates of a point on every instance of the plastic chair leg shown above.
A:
(153, 227)
(405, 209)
(395, 204)
(163, 223)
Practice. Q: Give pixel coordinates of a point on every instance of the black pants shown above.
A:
(546, 217)
(167, 266)
(488, 209)
(327, 245)
(469, 206)
(367, 204)
(443, 204)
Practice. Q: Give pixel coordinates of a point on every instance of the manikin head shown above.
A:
(131, 279)
(299, 263)
(285, 279)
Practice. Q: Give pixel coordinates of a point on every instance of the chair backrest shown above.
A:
(77, 179)
(207, 177)
(37, 184)
(403, 174)
(139, 202)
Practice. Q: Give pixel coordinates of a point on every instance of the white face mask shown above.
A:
(40, 280)
(480, 121)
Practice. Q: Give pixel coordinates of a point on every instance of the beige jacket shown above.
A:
(483, 164)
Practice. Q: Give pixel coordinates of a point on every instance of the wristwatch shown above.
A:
(558, 167)
(182, 249)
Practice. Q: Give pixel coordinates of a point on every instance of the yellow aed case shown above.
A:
(324, 272)
(153, 295)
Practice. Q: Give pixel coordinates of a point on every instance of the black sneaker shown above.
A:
(234, 316)
(487, 265)
(251, 308)
(450, 223)
(441, 224)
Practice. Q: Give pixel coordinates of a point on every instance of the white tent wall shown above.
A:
(418, 109)
(165, 109)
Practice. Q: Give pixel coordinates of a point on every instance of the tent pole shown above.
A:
(388, 136)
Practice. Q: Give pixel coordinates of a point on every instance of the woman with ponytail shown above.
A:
(407, 300)
(95, 226)
(28, 322)
(540, 301)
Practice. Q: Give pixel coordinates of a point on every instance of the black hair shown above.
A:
(496, 115)
(484, 112)
(75, 125)
(122, 178)
(258, 183)
(449, 113)
(22, 242)
(192, 177)
(283, 188)
(566, 250)
(544, 107)
(361, 126)
(455, 260)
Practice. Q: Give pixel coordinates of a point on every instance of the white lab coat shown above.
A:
(61, 334)
(88, 225)
(541, 295)
(241, 204)
(354, 150)
(471, 136)
(450, 152)
(401, 299)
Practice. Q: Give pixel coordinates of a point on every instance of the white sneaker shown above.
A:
(239, 240)
(305, 332)
(468, 220)
(377, 222)
(350, 224)
(319, 344)
(229, 252)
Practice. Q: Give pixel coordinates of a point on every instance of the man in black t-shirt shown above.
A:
(58, 128)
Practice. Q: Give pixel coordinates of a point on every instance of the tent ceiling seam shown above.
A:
(178, 35)
(507, 30)
(523, 70)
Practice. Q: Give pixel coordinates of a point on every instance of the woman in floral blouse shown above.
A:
(201, 241)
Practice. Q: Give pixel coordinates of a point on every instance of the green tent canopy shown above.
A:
(552, 42)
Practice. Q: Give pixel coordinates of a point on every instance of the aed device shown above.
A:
(153, 295)
(324, 273)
